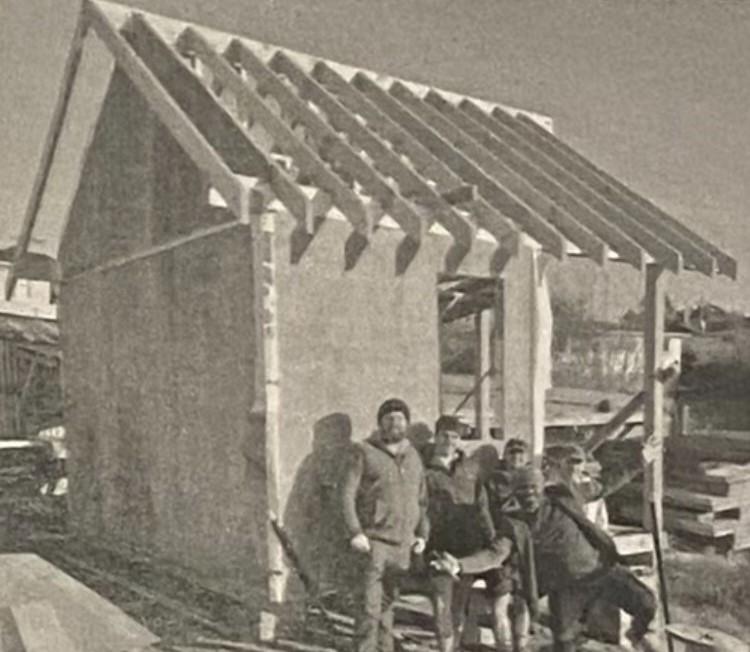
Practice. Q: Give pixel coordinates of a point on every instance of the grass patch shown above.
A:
(710, 591)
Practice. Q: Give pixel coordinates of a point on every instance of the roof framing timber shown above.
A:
(663, 252)
(522, 200)
(470, 121)
(614, 189)
(471, 173)
(48, 150)
(411, 185)
(422, 159)
(330, 145)
(369, 145)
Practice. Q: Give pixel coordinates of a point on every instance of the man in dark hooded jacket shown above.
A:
(577, 562)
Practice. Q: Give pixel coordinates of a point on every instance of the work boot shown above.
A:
(447, 564)
(644, 642)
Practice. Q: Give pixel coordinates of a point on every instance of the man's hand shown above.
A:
(360, 543)
(418, 546)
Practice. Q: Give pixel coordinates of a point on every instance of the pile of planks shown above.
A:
(706, 492)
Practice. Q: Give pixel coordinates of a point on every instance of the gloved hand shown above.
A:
(360, 543)
(418, 546)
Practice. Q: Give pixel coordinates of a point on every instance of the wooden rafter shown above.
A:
(345, 198)
(411, 185)
(423, 160)
(195, 144)
(661, 251)
(518, 187)
(220, 126)
(330, 145)
(471, 173)
(48, 150)
(670, 228)
(471, 121)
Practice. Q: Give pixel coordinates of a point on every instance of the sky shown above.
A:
(657, 92)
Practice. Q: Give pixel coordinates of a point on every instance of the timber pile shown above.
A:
(706, 492)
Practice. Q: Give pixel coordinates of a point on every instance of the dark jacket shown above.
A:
(522, 559)
(458, 510)
(567, 546)
(384, 495)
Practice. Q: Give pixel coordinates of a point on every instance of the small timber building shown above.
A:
(250, 265)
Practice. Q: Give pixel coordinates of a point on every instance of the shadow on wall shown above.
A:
(313, 512)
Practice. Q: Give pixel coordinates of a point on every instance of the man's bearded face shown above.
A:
(393, 427)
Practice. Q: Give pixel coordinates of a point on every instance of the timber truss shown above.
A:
(318, 136)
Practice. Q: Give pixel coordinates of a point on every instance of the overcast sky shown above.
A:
(656, 92)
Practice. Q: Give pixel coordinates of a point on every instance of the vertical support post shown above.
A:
(526, 357)
(483, 327)
(654, 395)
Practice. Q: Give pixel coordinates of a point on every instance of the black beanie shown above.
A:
(393, 405)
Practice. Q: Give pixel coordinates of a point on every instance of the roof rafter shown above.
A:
(424, 161)
(48, 149)
(661, 249)
(650, 213)
(195, 144)
(411, 185)
(330, 144)
(626, 248)
(351, 205)
(542, 232)
(523, 194)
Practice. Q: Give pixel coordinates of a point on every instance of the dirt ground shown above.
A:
(708, 590)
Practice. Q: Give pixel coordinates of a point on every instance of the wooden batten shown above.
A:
(391, 128)
(48, 149)
(474, 121)
(195, 144)
(410, 184)
(669, 228)
(468, 171)
(662, 251)
(442, 116)
(223, 128)
(331, 147)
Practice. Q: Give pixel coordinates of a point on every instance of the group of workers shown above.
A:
(443, 515)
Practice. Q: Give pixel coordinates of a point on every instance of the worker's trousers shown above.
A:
(569, 604)
(379, 574)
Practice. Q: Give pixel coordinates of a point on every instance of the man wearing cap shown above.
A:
(577, 562)
(499, 489)
(463, 541)
(566, 464)
(384, 499)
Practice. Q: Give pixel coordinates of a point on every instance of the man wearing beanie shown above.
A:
(385, 511)
(577, 562)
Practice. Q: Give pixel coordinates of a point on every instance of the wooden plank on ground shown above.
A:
(40, 629)
(93, 623)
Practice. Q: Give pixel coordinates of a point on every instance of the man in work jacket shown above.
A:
(385, 511)
(462, 535)
(577, 562)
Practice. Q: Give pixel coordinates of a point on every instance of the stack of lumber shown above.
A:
(706, 492)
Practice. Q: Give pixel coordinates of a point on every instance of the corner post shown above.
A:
(526, 350)
(654, 395)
